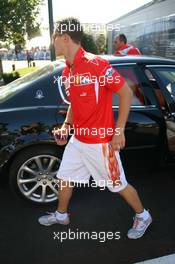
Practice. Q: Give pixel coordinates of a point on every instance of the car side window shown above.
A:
(157, 90)
(167, 78)
(131, 78)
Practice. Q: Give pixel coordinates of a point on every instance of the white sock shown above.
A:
(61, 216)
(144, 215)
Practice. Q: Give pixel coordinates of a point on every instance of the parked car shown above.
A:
(33, 105)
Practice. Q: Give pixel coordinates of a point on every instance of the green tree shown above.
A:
(18, 18)
(89, 44)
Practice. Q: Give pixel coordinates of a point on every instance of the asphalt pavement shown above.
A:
(23, 240)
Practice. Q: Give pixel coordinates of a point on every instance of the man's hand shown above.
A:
(118, 140)
(61, 134)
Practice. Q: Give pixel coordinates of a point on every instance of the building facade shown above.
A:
(151, 28)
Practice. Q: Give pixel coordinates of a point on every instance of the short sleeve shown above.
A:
(109, 77)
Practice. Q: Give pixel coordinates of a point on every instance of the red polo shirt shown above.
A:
(127, 50)
(89, 85)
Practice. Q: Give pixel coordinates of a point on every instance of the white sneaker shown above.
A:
(139, 227)
(51, 219)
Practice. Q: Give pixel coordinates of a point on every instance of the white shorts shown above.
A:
(82, 160)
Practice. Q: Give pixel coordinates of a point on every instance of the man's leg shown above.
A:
(64, 195)
(131, 197)
(108, 163)
(72, 170)
(60, 216)
(142, 217)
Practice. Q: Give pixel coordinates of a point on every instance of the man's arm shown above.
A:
(69, 116)
(116, 84)
(125, 99)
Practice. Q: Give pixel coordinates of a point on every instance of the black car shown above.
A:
(33, 105)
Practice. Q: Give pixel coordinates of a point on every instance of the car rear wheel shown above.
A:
(33, 174)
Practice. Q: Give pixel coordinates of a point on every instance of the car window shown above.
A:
(131, 78)
(158, 92)
(167, 76)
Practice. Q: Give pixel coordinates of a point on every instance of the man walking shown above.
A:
(122, 48)
(94, 148)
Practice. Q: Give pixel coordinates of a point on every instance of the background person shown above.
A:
(29, 59)
(122, 48)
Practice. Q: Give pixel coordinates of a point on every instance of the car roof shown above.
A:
(138, 59)
(143, 59)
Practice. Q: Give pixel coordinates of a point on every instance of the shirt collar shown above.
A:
(78, 56)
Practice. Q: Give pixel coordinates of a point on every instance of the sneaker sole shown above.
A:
(57, 223)
(141, 234)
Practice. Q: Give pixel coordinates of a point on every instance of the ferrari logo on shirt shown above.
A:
(82, 79)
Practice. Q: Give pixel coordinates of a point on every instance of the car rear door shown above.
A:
(163, 77)
(145, 129)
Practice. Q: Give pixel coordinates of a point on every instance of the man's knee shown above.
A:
(118, 188)
(65, 184)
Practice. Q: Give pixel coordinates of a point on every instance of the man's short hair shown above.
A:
(123, 38)
(70, 26)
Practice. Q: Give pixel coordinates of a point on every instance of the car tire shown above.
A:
(30, 171)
